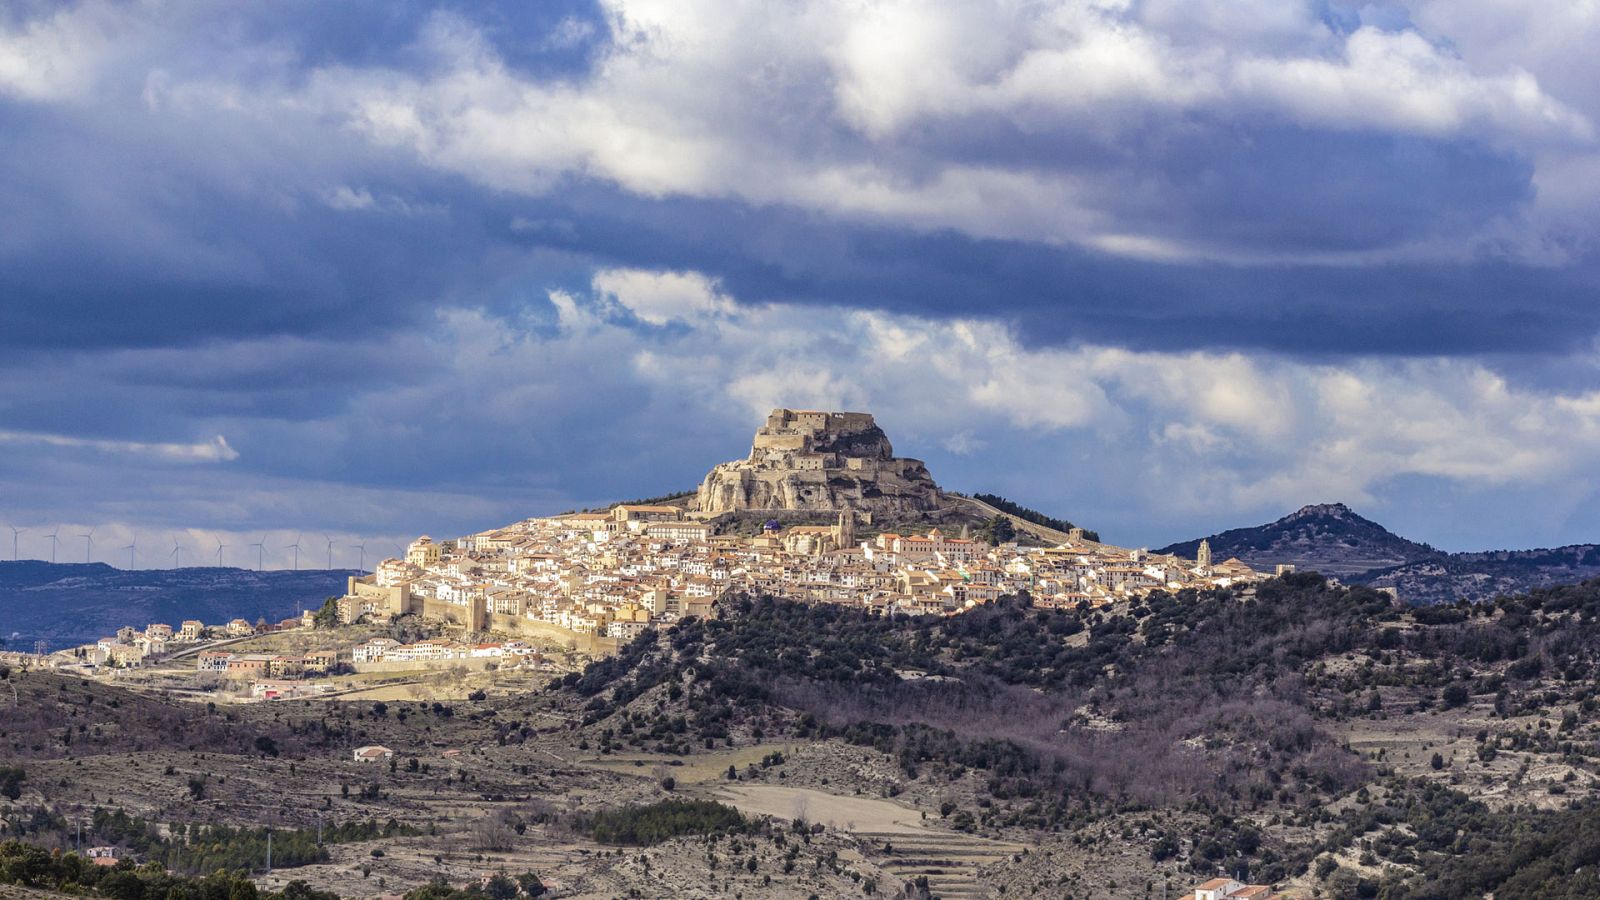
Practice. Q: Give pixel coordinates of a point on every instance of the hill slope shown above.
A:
(1484, 575)
(1259, 713)
(1333, 539)
(73, 603)
(1329, 537)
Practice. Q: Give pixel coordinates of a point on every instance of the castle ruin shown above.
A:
(809, 460)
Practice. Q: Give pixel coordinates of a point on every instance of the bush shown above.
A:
(650, 824)
(11, 779)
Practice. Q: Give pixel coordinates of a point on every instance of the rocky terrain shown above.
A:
(1333, 539)
(813, 461)
(1330, 538)
(1325, 740)
(1482, 575)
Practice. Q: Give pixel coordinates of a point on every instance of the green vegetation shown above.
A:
(500, 887)
(650, 824)
(200, 849)
(24, 865)
(662, 500)
(328, 615)
(1031, 515)
(11, 778)
(1459, 847)
(1220, 703)
(996, 531)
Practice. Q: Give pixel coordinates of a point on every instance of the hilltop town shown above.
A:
(586, 583)
(774, 687)
(593, 581)
(602, 578)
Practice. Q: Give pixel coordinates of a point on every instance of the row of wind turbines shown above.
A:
(176, 553)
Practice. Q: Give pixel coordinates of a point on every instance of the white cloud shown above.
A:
(1212, 431)
(348, 199)
(1400, 82)
(57, 57)
(897, 112)
(212, 451)
(964, 443)
(664, 297)
(830, 106)
(525, 413)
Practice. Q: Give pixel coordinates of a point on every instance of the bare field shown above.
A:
(832, 810)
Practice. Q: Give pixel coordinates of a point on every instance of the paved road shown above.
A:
(184, 654)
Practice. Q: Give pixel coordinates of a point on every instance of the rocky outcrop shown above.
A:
(1328, 537)
(1332, 539)
(807, 460)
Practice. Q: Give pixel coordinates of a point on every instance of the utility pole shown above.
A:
(269, 851)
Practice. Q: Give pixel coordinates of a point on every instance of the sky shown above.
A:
(360, 271)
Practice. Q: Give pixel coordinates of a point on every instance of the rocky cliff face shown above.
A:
(819, 461)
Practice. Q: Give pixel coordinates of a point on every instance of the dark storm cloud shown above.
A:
(1064, 295)
(329, 233)
(133, 223)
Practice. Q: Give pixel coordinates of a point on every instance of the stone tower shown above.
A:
(844, 533)
(1203, 555)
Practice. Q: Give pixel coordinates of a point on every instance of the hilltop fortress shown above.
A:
(808, 460)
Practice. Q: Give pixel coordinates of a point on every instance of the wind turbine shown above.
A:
(220, 545)
(261, 551)
(362, 566)
(16, 531)
(88, 545)
(330, 551)
(296, 548)
(132, 549)
(53, 543)
(177, 557)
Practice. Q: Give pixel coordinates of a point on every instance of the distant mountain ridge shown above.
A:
(1333, 539)
(66, 604)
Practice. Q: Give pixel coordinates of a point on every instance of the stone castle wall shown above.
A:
(819, 461)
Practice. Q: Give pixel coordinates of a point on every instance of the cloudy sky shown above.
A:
(372, 269)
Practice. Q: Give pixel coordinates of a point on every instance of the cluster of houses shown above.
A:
(243, 666)
(613, 574)
(130, 647)
(382, 649)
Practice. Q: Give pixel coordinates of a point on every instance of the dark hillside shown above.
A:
(1330, 538)
(1489, 574)
(1219, 701)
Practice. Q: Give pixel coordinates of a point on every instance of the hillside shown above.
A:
(74, 603)
(1484, 575)
(1333, 539)
(1312, 737)
(1306, 735)
(1330, 538)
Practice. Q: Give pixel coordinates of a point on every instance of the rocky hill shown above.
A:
(1328, 537)
(1331, 538)
(1493, 573)
(806, 460)
(65, 604)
